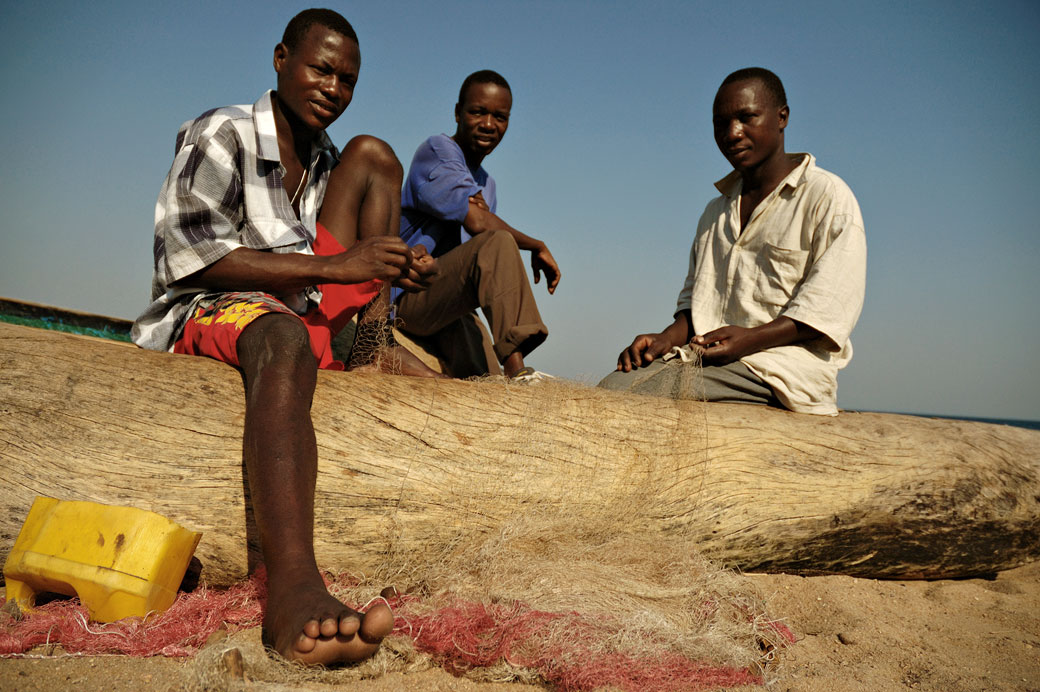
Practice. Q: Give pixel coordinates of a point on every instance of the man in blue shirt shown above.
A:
(448, 205)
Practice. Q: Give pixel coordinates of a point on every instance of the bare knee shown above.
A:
(276, 344)
(374, 155)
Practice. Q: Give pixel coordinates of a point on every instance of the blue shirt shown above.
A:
(435, 198)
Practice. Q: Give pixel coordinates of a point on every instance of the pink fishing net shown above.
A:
(461, 636)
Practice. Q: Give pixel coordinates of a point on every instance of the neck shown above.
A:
(293, 134)
(473, 160)
(768, 174)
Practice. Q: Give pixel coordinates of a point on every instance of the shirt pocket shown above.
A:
(780, 270)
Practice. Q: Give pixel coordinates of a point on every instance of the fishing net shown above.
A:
(545, 599)
(574, 591)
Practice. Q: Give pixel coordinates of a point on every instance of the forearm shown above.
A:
(783, 331)
(730, 343)
(680, 331)
(245, 269)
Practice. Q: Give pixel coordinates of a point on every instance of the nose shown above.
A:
(732, 131)
(487, 122)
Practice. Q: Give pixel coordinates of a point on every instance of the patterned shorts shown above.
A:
(214, 327)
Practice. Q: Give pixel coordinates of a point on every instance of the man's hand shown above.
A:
(729, 344)
(383, 257)
(543, 261)
(726, 344)
(645, 349)
(421, 272)
(481, 219)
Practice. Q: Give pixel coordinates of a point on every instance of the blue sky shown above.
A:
(927, 109)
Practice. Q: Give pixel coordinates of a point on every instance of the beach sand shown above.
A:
(854, 635)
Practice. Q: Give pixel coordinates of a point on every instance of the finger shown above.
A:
(635, 352)
(714, 335)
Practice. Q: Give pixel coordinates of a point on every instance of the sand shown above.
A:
(967, 635)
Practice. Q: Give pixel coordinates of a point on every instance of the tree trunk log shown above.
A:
(403, 459)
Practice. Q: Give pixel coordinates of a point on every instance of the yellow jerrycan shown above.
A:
(120, 561)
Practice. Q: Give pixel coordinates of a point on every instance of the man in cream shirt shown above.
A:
(777, 272)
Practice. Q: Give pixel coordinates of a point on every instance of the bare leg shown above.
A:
(513, 363)
(302, 621)
(363, 200)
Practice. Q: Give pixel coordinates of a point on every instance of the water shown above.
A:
(1028, 424)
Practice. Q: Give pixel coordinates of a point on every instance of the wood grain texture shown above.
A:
(401, 460)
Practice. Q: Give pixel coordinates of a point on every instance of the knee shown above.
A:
(276, 343)
(496, 242)
(372, 154)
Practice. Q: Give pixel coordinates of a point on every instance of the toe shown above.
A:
(349, 624)
(312, 629)
(329, 627)
(304, 644)
(377, 623)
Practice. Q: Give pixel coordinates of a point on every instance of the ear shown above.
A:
(458, 112)
(782, 116)
(281, 53)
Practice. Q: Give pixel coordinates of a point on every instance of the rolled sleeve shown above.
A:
(830, 298)
(445, 192)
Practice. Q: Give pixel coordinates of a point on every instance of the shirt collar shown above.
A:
(267, 133)
(730, 186)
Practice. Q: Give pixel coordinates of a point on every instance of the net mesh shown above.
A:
(571, 592)
(543, 600)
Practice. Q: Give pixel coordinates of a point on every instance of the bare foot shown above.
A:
(303, 622)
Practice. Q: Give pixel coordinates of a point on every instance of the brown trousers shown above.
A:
(486, 272)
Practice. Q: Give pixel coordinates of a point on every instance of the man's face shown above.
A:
(316, 80)
(748, 124)
(482, 118)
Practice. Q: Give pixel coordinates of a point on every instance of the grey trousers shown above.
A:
(732, 383)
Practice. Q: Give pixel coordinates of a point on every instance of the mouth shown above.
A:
(325, 109)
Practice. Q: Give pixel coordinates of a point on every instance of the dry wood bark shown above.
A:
(402, 459)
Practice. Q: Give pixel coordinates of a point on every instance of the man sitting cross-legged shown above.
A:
(777, 272)
(253, 269)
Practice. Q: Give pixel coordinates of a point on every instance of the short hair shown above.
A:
(768, 79)
(482, 77)
(297, 28)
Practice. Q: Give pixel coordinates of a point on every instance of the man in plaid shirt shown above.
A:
(267, 241)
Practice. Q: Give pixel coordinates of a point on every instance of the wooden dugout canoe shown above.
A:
(864, 494)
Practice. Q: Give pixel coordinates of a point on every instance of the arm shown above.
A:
(728, 344)
(480, 219)
(201, 243)
(245, 269)
(646, 348)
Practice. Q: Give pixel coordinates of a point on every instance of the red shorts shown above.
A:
(213, 329)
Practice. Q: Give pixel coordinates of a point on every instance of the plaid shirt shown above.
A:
(224, 191)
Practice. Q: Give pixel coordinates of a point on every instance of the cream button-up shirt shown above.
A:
(803, 254)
